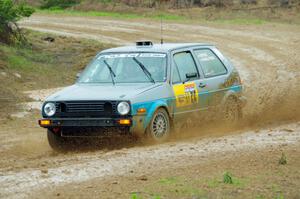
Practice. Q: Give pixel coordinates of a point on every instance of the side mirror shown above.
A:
(191, 75)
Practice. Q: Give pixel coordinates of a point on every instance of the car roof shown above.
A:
(159, 48)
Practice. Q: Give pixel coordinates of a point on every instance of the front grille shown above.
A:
(86, 109)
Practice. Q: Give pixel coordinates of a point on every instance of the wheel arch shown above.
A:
(230, 94)
(157, 105)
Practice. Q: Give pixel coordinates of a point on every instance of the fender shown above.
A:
(234, 91)
(150, 107)
(157, 104)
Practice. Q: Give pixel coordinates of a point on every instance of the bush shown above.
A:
(9, 15)
(59, 4)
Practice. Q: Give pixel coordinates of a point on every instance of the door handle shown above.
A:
(202, 85)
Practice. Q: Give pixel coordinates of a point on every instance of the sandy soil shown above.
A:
(27, 176)
(267, 57)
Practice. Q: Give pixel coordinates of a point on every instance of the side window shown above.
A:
(185, 64)
(210, 63)
(175, 75)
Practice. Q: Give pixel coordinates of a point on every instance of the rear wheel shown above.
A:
(57, 142)
(159, 127)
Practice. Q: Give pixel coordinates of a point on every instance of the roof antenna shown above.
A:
(161, 7)
(161, 30)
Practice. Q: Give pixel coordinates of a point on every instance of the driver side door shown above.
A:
(185, 85)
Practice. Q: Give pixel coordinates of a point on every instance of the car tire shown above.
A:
(159, 127)
(56, 142)
(232, 112)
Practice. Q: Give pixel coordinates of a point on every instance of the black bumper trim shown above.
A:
(84, 122)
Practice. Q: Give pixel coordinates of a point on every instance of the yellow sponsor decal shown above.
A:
(186, 94)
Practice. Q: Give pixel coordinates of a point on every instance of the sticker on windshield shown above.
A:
(124, 55)
(152, 55)
(186, 94)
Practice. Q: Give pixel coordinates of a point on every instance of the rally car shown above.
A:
(144, 89)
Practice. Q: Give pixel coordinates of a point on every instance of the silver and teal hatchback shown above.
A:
(144, 89)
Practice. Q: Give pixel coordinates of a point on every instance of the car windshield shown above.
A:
(126, 68)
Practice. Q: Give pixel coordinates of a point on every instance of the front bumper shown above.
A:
(85, 122)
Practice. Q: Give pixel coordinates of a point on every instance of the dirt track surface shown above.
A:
(60, 169)
(267, 57)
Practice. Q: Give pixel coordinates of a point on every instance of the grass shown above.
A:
(180, 187)
(169, 180)
(153, 15)
(241, 21)
(137, 196)
(41, 65)
(26, 60)
(117, 15)
(174, 186)
(282, 160)
(227, 179)
(203, 15)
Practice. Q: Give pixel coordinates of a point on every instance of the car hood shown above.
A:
(101, 92)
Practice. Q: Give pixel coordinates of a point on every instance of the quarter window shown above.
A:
(211, 64)
(185, 64)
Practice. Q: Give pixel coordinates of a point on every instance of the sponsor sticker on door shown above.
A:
(185, 94)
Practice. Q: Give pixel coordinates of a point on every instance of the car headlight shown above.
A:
(123, 108)
(49, 109)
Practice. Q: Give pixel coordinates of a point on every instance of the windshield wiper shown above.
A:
(112, 74)
(144, 69)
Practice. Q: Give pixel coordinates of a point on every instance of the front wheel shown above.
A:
(56, 142)
(159, 127)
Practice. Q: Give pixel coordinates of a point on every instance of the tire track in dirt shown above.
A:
(141, 159)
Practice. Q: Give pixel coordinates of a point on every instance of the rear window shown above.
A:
(210, 63)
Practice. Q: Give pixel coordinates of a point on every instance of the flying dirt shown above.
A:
(267, 57)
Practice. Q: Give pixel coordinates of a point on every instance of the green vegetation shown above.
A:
(118, 15)
(259, 197)
(282, 160)
(178, 187)
(183, 187)
(227, 179)
(242, 21)
(10, 13)
(58, 4)
(135, 196)
(170, 180)
(42, 64)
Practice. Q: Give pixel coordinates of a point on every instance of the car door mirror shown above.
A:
(191, 75)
